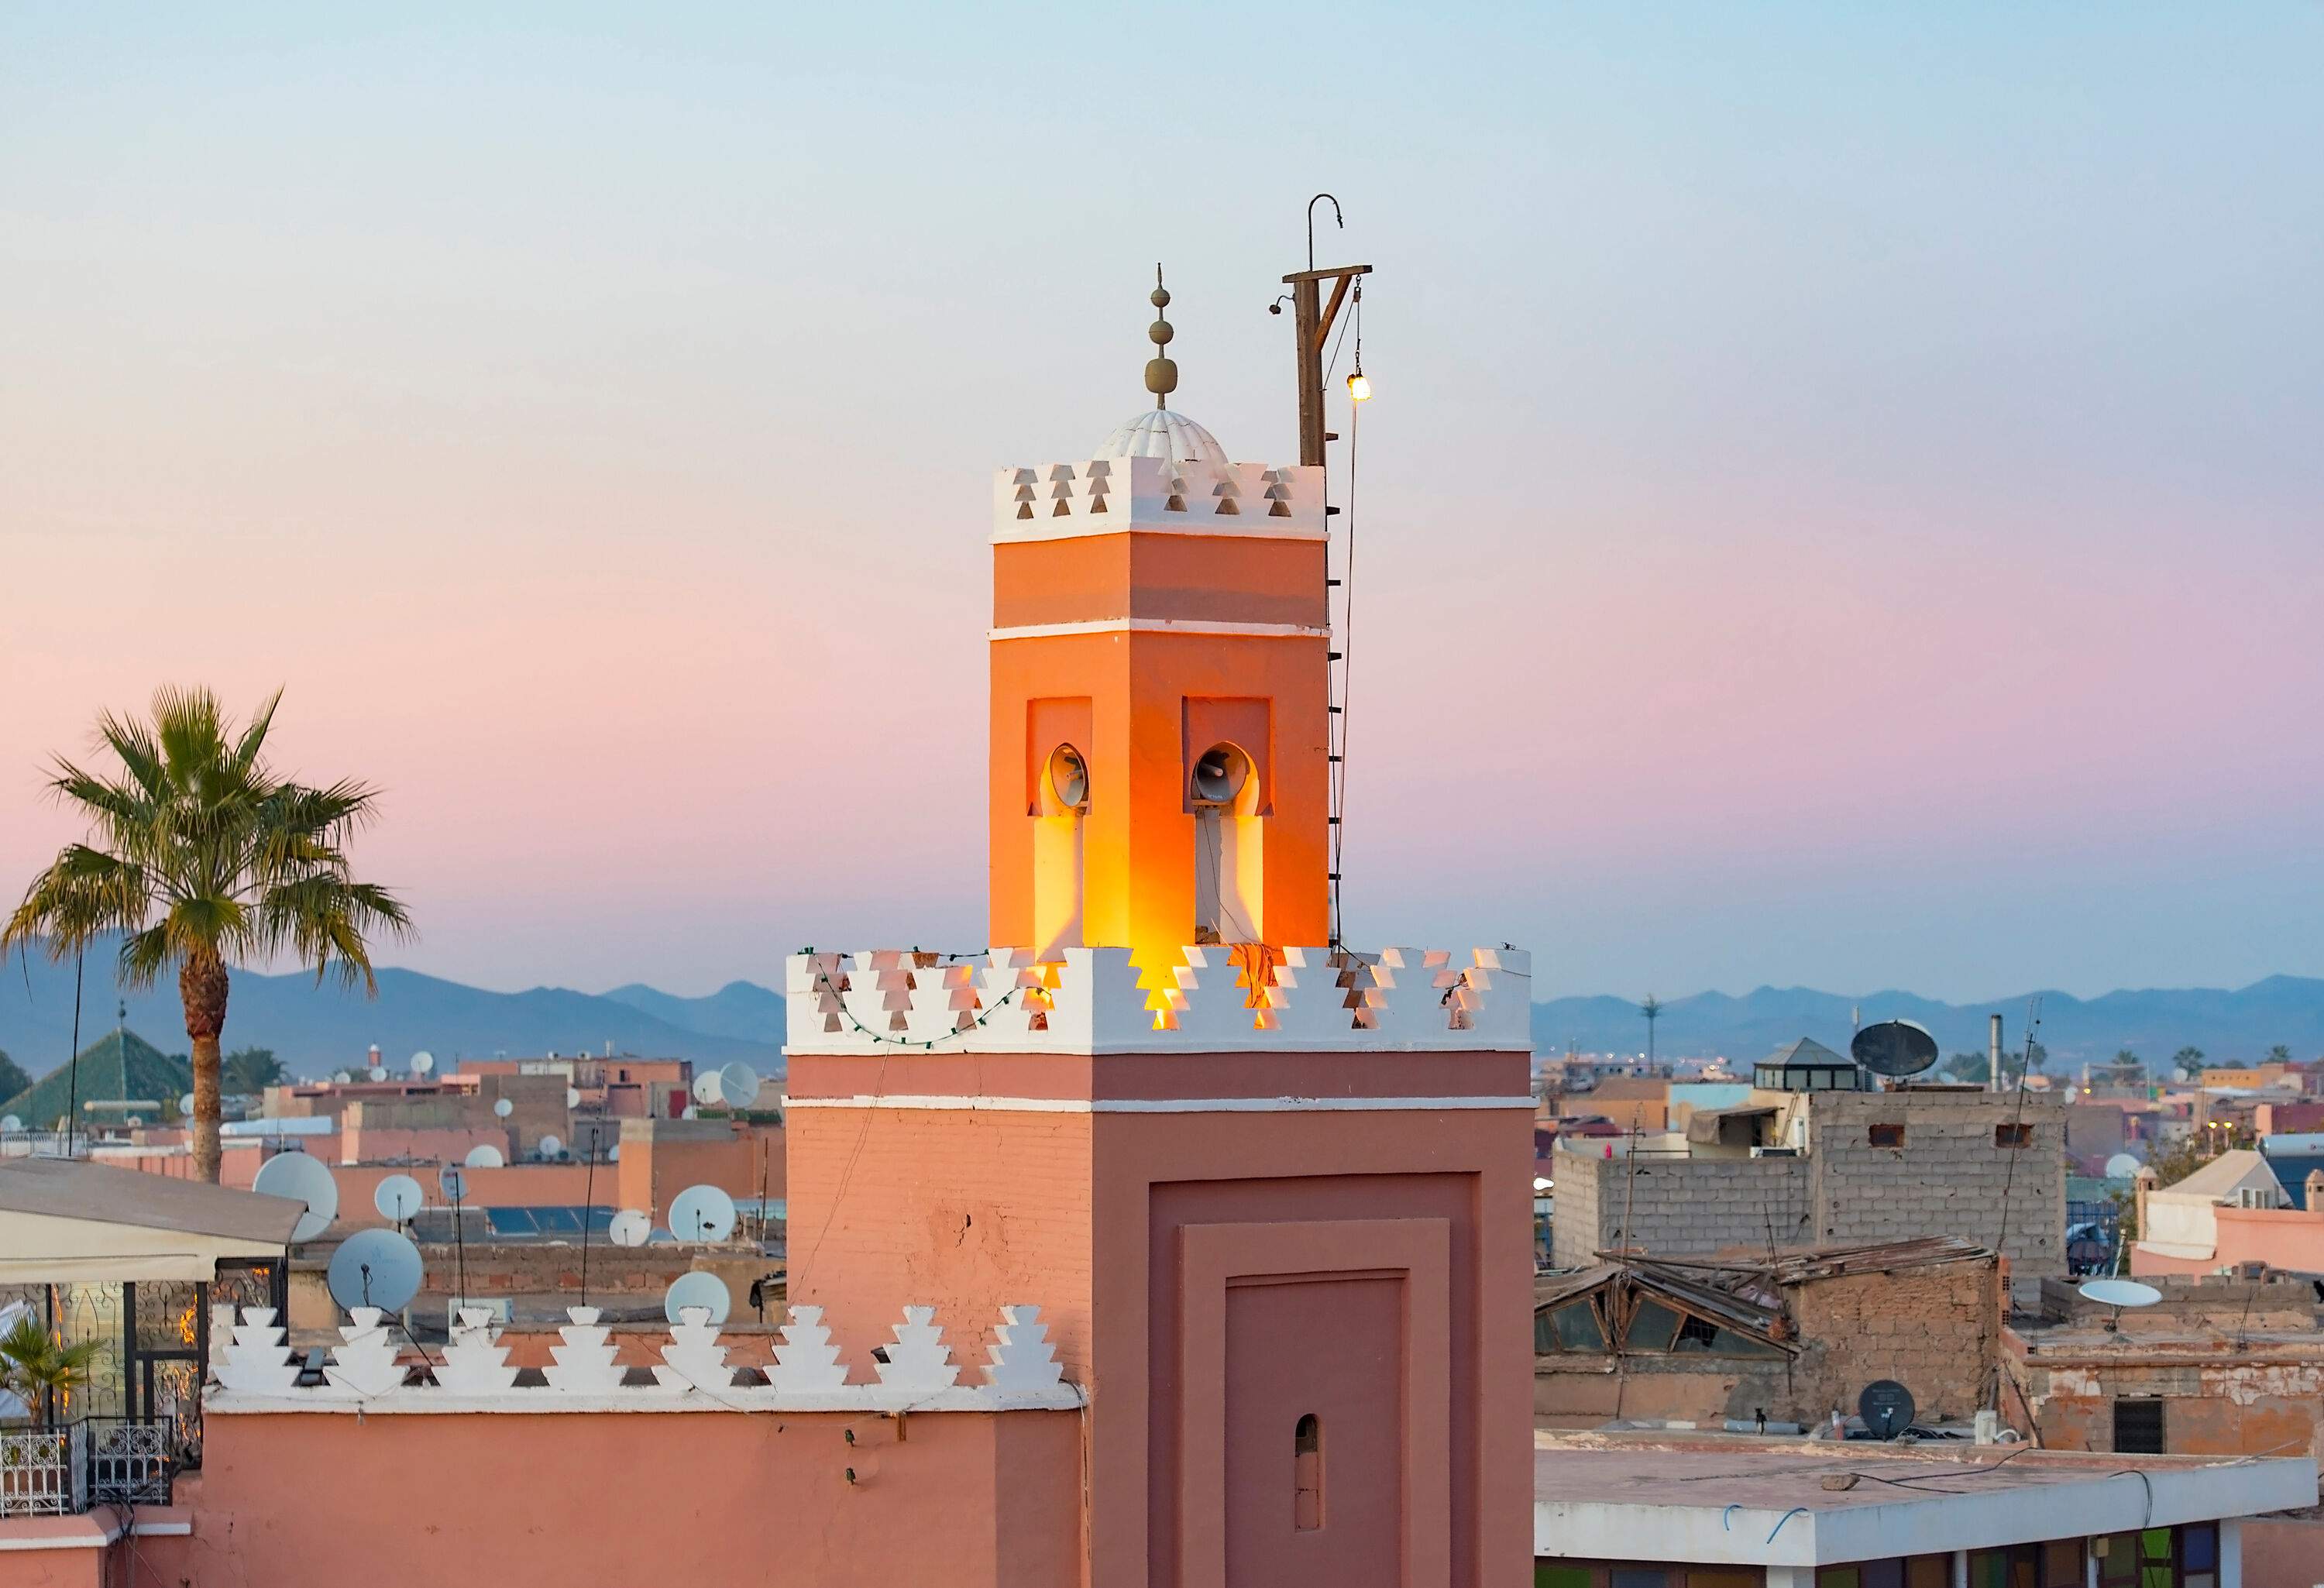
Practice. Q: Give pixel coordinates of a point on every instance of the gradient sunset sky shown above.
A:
(1844, 504)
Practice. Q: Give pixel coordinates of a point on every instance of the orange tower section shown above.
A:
(1280, 1233)
(1160, 696)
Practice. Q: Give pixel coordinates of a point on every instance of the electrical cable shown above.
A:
(1336, 736)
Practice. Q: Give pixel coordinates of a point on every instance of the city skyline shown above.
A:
(1880, 453)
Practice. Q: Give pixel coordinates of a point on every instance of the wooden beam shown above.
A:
(1326, 275)
(1331, 312)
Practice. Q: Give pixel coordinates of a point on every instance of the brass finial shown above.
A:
(1161, 372)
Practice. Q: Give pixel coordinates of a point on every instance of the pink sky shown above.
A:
(1842, 506)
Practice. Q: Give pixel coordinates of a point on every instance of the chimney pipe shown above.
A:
(1993, 1050)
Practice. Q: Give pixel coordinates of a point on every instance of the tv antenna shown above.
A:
(703, 1214)
(1894, 1048)
(399, 1197)
(375, 1268)
(2119, 1294)
(702, 1288)
(453, 1182)
(305, 1180)
(1887, 1408)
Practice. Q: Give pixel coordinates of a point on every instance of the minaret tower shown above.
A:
(1272, 1195)
(1160, 685)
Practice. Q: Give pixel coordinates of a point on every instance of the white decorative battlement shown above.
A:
(1105, 495)
(1315, 1001)
(1019, 1371)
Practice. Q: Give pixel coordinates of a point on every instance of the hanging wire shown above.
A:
(1336, 737)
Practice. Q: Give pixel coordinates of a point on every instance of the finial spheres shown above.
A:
(1161, 373)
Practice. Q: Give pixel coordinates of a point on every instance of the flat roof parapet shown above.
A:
(1096, 1001)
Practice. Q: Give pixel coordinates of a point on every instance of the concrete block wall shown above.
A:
(1948, 1178)
(1936, 1330)
(1676, 1206)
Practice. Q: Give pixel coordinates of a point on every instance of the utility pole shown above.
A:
(1311, 320)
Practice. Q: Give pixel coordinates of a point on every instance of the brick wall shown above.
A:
(1934, 1330)
(1676, 1206)
(1948, 1178)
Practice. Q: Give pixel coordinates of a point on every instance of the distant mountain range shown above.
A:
(2234, 1026)
(315, 1030)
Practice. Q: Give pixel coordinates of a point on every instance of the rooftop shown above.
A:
(1740, 1499)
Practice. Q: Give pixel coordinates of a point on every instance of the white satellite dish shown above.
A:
(548, 1147)
(186, 1104)
(422, 1062)
(11, 1123)
(572, 1097)
(305, 1180)
(2120, 1293)
(374, 1267)
(613, 1153)
(629, 1228)
(399, 1196)
(485, 1156)
(701, 1214)
(738, 1084)
(706, 1089)
(697, 1288)
(452, 1183)
(503, 1108)
(2122, 1166)
(379, 1071)
(341, 1076)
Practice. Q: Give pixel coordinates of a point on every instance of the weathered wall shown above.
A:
(1949, 1178)
(1676, 1206)
(708, 1498)
(2221, 1404)
(1934, 1330)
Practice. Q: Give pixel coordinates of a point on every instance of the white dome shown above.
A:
(1159, 433)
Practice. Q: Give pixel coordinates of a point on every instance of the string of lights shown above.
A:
(866, 1031)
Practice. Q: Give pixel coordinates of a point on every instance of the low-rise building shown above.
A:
(1809, 1159)
(1788, 1342)
(1736, 1511)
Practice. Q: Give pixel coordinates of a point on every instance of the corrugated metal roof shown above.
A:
(68, 1188)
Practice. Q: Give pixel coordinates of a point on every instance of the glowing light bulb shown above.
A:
(1360, 388)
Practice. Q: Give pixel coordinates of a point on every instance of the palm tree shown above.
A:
(199, 855)
(1653, 1010)
(41, 1369)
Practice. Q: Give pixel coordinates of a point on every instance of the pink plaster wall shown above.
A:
(2280, 1237)
(706, 1498)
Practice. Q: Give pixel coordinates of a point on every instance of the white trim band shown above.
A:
(1164, 1104)
(1157, 625)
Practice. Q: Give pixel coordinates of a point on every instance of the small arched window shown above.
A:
(1307, 1474)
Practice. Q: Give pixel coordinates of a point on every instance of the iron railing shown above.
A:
(44, 1472)
(130, 1462)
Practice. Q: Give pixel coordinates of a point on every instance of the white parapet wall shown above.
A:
(1107, 495)
(1092, 1001)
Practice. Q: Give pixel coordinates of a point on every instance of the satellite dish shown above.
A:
(375, 1268)
(1220, 774)
(422, 1062)
(11, 1123)
(485, 1156)
(2120, 1293)
(379, 1071)
(738, 1084)
(572, 1097)
(305, 1180)
(1068, 777)
(548, 1147)
(701, 1214)
(452, 1183)
(1887, 1408)
(186, 1104)
(399, 1196)
(613, 1153)
(2122, 1166)
(503, 1108)
(706, 1089)
(1895, 1047)
(697, 1288)
(629, 1228)
(342, 1077)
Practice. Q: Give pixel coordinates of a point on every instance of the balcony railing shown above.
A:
(97, 1461)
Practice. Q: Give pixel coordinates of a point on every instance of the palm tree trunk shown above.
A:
(202, 988)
